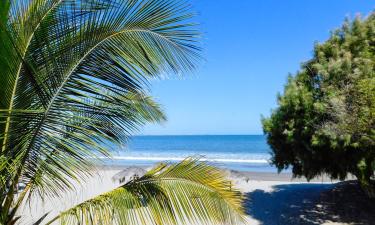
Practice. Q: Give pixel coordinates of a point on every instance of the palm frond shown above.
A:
(71, 159)
(76, 74)
(189, 192)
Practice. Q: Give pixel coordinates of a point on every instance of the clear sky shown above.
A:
(249, 49)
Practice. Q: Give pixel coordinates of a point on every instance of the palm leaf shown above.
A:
(75, 76)
(189, 192)
(78, 62)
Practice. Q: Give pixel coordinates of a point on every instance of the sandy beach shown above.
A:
(271, 199)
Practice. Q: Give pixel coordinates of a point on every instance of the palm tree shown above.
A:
(74, 75)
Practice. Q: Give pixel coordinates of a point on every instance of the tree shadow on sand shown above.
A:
(309, 204)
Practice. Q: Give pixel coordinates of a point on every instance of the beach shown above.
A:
(271, 198)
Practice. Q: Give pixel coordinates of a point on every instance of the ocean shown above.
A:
(237, 152)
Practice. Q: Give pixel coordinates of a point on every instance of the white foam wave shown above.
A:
(181, 158)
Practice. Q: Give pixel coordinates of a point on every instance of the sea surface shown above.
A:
(238, 152)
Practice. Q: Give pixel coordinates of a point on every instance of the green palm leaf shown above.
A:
(74, 76)
(77, 61)
(189, 192)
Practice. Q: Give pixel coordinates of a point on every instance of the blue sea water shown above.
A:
(238, 152)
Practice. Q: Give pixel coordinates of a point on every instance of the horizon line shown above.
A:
(198, 135)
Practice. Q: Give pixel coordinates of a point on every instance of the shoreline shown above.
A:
(284, 176)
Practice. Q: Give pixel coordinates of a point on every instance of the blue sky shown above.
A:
(249, 49)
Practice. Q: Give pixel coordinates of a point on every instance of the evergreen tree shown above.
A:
(325, 121)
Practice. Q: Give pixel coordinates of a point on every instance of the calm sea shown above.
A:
(239, 152)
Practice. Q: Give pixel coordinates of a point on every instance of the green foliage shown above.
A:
(325, 122)
(190, 192)
(74, 75)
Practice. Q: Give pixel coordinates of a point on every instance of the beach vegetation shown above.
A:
(325, 120)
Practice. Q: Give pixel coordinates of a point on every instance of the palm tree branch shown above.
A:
(159, 198)
(138, 102)
(72, 70)
(22, 56)
(70, 61)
